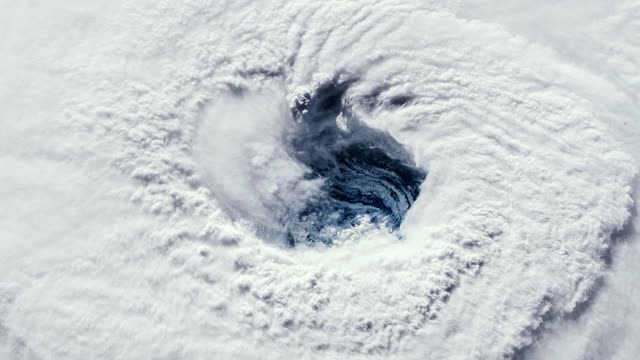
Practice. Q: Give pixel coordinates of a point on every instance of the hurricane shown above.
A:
(213, 179)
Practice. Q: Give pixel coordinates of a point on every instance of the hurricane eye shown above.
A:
(365, 172)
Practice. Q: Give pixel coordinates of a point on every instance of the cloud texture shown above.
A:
(145, 170)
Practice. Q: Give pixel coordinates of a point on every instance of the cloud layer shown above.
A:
(146, 162)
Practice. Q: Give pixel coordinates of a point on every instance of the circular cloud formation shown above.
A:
(512, 227)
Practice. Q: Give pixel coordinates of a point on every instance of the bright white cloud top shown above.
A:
(149, 180)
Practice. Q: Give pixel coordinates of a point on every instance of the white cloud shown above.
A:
(135, 124)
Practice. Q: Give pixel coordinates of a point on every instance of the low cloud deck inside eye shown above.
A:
(365, 171)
